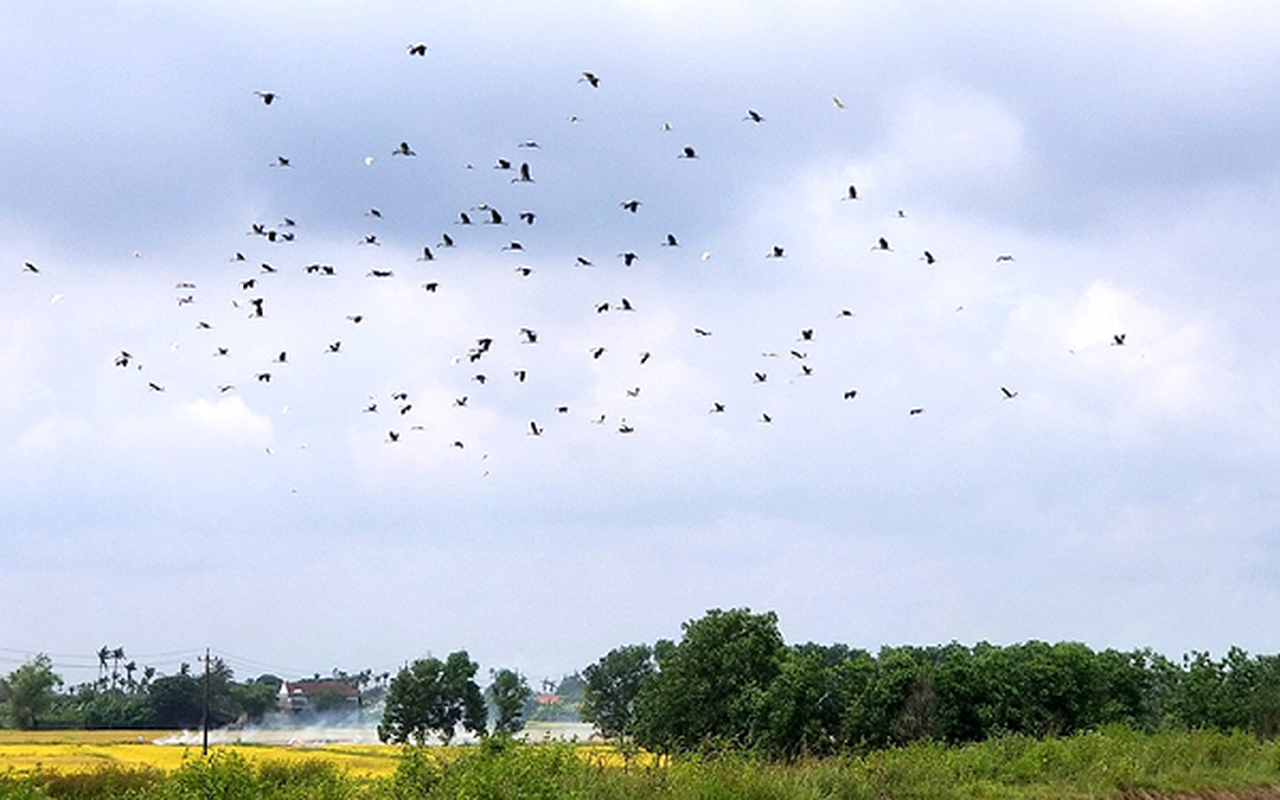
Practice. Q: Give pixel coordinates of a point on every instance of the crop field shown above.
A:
(84, 751)
(1106, 764)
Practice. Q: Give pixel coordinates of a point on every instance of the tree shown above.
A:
(710, 687)
(509, 692)
(432, 697)
(612, 685)
(30, 688)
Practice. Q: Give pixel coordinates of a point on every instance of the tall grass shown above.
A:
(1115, 762)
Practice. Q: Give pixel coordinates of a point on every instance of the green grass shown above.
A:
(1112, 763)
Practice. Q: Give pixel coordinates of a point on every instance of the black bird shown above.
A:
(716, 408)
(530, 337)
(1008, 395)
(528, 143)
(280, 161)
(446, 240)
(777, 252)
(590, 77)
(418, 49)
(155, 387)
(403, 150)
(427, 255)
(628, 258)
(494, 217)
(525, 176)
(853, 193)
(283, 358)
(688, 152)
(753, 116)
(502, 164)
(392, 437)
(850, 394)
(520, 374)
(266, 268)
(915, 411)
(928, 258)
(882, 244)
(513, 246)
(1118, 340)
(380, 273)
(761, 377)
(123, 359)
(671, 241)
(631, 205)
(463, 218)
(431, 286)
(645, 356)
(702, 331)
(372, 408)
(461, 402)
(524, 271)
(372, 239)
(633, 392)
(1003, 257)
(263, 377)
(256, 302)
(625, 305)
(373, 212)
(806, 335)
(583, 261)
(534, 430)
(355, 318)
(528, 217)
(596, 352)
(267, 97)
(335, 347)
(602, 307)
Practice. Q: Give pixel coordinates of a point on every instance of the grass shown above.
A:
(1111, 763)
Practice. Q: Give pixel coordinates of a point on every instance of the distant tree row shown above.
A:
(155, 701)
(732, 682)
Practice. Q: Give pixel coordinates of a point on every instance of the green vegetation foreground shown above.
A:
(1115, 762)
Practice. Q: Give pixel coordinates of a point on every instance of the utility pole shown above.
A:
(204, 713)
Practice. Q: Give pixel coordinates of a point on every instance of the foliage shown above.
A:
(612, 686)
(710, 687)
(508, 692)
(30, 689)
(433, 697)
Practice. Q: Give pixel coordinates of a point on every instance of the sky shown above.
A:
(1090, 349)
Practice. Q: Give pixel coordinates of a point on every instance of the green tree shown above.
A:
(253, 700)
(433, 697)
(30, 688)
(612, 686)
(509, 692)
(710, 688)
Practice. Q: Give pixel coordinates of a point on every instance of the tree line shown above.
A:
(731, 682)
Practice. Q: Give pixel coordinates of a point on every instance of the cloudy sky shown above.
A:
(1124, 154)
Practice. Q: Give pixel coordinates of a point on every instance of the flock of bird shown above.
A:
(396, 408)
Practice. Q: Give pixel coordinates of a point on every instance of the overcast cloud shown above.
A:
(1124, 154)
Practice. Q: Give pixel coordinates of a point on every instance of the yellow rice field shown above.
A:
(86, 751)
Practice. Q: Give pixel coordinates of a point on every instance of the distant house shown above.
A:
(299, 696)
(547, 699)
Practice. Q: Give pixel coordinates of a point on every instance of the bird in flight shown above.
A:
(403, 150)
(928, 258)
(631, 205)
(418, 49)
(776, 252)
(753, 116)
(688, 152)
(267, 97)
(1003, 257)
(1118, 340)
(280, 161)
(27, 266)
(882, 244)
(590, 77)
(1008, 393)
(853, 193)
(628, 258)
